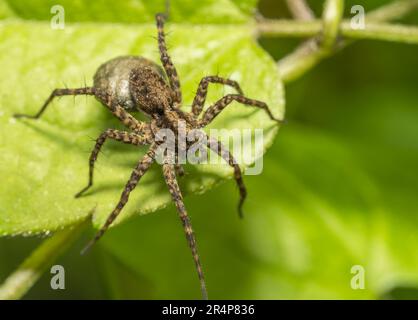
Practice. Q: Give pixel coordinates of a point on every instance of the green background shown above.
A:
(339, 188)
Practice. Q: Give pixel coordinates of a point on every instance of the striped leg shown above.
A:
(166, 60)
(57, 93)
(202, 91)
(128, 120)
(122, 136)
(220, 149)
(171, 180)
(136, 175)
(179, 170)
(216, 108)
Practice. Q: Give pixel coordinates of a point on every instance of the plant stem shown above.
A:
(310, 28)
(288, 28)
(331, 20)
(25, 276)
(311, 52)
(300, 9)
(383, 31)
(393, 11)
(373, 30)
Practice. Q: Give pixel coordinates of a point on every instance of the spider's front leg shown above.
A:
(224, 153)
(217, 107)
(168, 65)
(202, 91)
(122, 136)
(140, 169)
(57, 93)
(179, 170)
(171, 180)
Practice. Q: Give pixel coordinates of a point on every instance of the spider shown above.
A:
(131, 83)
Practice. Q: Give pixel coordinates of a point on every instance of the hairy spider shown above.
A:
(131, 83)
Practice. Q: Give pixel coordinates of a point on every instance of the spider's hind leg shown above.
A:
(57, 93)
(122, 136)
(171, 180)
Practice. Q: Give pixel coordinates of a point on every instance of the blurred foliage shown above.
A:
(338, 189)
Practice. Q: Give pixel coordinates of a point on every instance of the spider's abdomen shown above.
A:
(112, 77)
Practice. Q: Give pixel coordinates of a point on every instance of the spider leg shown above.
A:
(179, 170)
(216, 108)
(171, 180)
(223, 152)
(178, 167)
(168, 65)
(57, 93)
(136, 175)
(128, 120)
(122, 136)
(202, 91)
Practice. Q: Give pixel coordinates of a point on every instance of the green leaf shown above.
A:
(136, 11)
(45, 162)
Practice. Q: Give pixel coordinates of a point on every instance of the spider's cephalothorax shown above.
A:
(132, 83)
